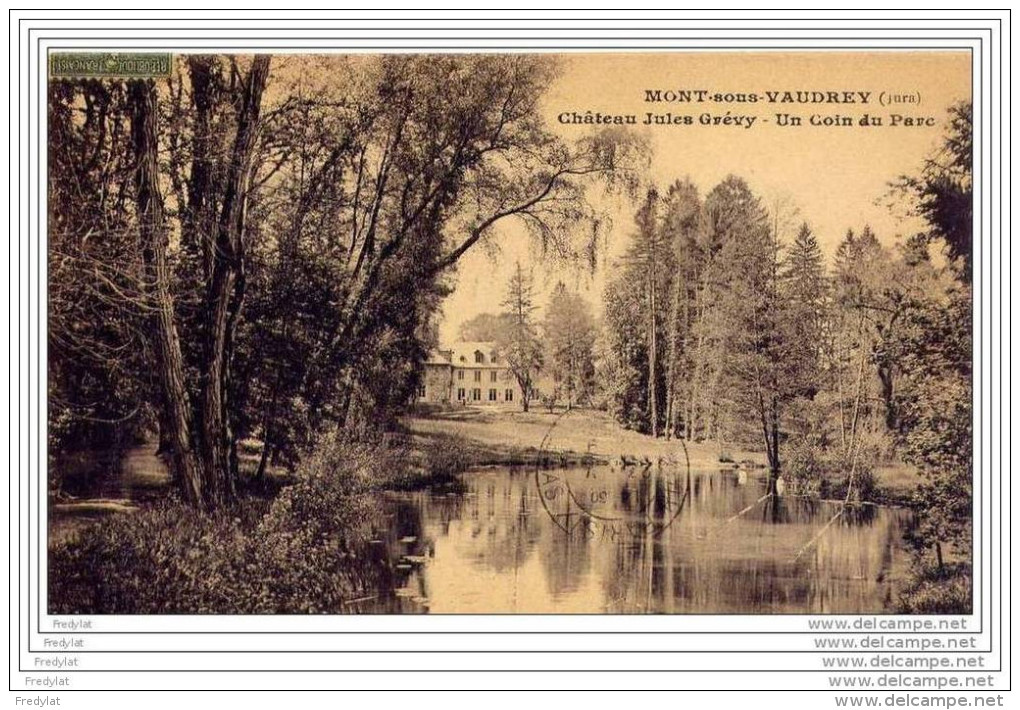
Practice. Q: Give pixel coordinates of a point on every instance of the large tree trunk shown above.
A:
(185, 467)
(885, 377)
(226, 292)
(198, 220)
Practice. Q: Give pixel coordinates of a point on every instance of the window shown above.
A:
(476, 395)
(460, 374)
(421, 390)
(478, 375)
(492, 395)
(509, 396)
(492, 376)
(460, 393)
(479, 356)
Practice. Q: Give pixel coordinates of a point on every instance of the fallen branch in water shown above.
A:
(734, 517)
(813, 540)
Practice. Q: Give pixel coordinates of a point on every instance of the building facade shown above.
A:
(468, 373)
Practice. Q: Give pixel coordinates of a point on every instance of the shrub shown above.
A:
(440, 461)
(305, 551)
(937, 591)
(805, 469)
(864, 483)
(145, 563)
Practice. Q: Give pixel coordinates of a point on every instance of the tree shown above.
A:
(806, 290)
(186, 468)
(520, 345)
(757, 372)
(377, 181)
(569, 338)
(683, 225)
(201, 455)
(99, 388)
(621, 361)
(485, 327)
(935, 350)
(943, 194)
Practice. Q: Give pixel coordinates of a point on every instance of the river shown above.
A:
(632, 540)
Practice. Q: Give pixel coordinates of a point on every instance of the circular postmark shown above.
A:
(594, 495)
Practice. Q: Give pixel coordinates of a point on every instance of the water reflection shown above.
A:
(631, 541)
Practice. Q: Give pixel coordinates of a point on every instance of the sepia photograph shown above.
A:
(509, 332)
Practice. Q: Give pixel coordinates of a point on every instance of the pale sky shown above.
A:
(836, 176)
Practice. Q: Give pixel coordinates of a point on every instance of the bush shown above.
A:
(805, 469)
(938, 591)
(812, 470)
(305, 551)
(440, 461)
(864, 484)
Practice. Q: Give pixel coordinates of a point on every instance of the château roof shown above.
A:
(462, 354)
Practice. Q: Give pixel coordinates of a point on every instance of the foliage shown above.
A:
(568, 331)
(622, 354)
(303, 552)
(936, 409)
(485, 327)
(97, 380)
(318, 206)
(934, 590)
(935, 349)
(520, 345)
(805, 290)
(943, 194)
(806, 468)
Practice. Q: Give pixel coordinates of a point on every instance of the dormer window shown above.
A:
(479, 356)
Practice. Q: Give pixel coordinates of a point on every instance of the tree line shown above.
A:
(724, 323)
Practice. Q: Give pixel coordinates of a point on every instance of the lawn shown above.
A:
(577, 432)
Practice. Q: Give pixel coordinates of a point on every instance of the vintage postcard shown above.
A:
(627, 331)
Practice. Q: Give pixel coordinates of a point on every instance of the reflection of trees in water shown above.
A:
(568, 559)
(696, 564)
(745, 567)
(497, 513)
(507, 529)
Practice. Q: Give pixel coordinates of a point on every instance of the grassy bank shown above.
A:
(512, 437)
(494, 436)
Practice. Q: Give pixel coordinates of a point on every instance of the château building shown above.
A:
(468, 373)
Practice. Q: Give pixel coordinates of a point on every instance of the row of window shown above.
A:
(476, 395)
(478, 375)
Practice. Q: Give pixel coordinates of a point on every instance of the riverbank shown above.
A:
(513, 437)
(439, 445)
(502, 436)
